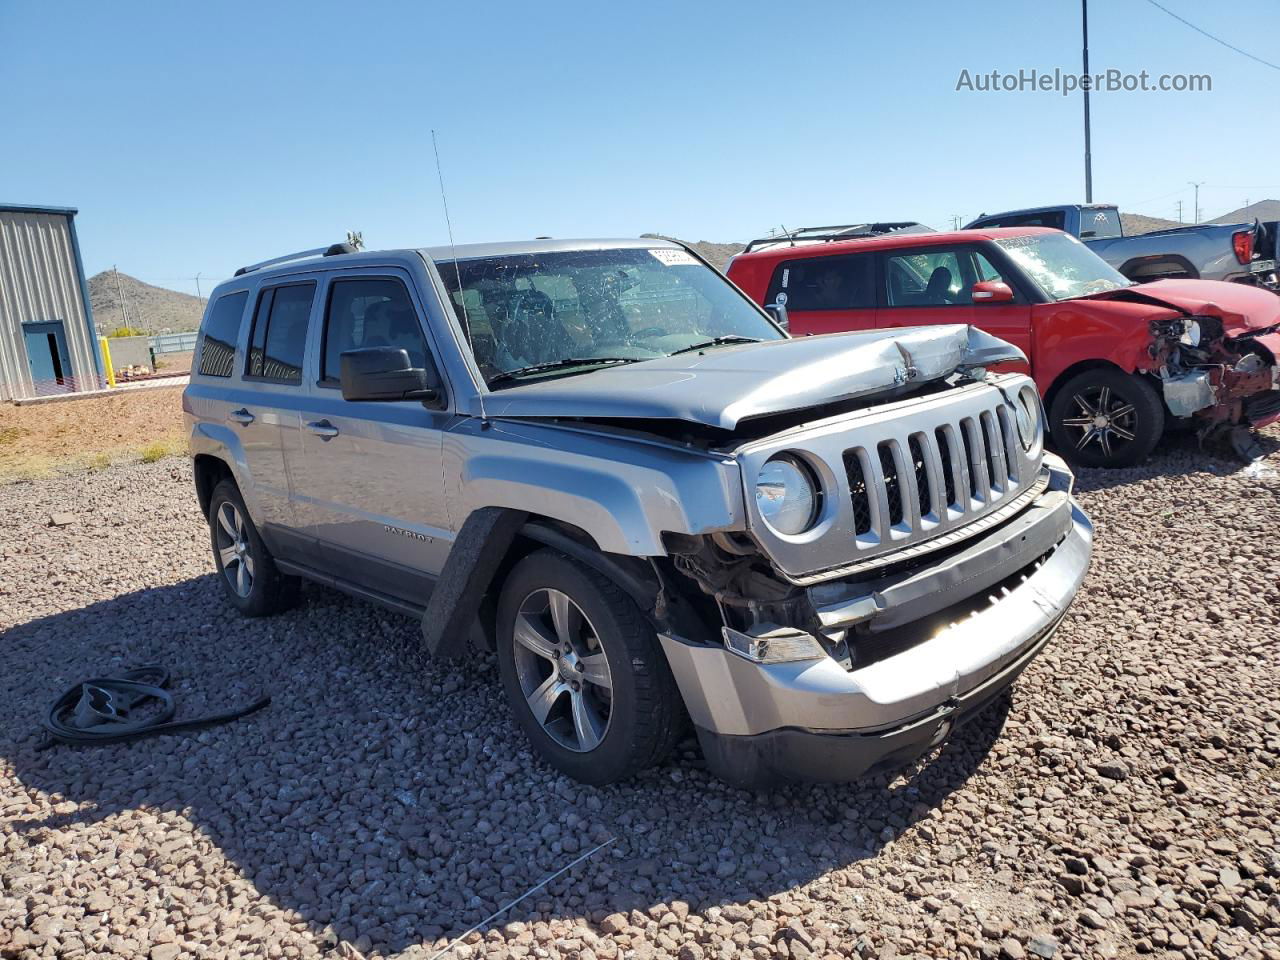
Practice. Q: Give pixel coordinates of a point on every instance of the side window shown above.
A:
(279, 337)
(825, 283)
(218, 338)
(369, 312)
(984, 269)
(927, 278)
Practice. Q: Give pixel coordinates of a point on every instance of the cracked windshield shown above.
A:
(532, 316)
(1062, 266)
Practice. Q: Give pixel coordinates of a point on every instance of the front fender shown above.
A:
(1070, 332)
(621, 491)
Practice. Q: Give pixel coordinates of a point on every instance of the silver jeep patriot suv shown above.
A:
(602, 462)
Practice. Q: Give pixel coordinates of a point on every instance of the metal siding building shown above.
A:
(48, 343)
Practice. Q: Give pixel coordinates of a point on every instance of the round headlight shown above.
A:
(1191, 334)
(786, 496)
(1027, 413)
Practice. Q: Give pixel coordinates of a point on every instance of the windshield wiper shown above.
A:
(532, 368)
(715, 342)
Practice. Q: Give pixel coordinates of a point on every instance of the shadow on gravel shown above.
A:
(389, 800)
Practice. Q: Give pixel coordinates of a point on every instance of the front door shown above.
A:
(369, 482)
(48, 357)
(934, 284)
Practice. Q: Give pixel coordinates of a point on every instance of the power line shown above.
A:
(1244, 53)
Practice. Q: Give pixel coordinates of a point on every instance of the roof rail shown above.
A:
(333, 250)
(830, 234)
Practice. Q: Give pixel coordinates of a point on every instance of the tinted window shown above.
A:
(825, 283)
(1100, 223)
(369, 312)
(927, 278)
(1049, 218)
(221, 330)
(279, 335)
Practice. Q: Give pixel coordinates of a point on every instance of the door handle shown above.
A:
(323, 428)
(241, 416)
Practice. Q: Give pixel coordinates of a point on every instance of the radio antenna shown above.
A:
(444, 200)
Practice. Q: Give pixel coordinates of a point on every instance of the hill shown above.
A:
(1135, 223)
(1262, 210)
(150, 308)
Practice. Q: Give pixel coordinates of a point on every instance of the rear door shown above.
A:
(266, 412)
(368, 480)
(826, 294)
(929, 285)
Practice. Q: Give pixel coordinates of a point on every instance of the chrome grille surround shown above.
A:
(962, 443)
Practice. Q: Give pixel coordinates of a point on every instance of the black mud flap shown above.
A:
(477, 552)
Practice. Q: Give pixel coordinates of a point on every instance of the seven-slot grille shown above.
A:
(941, 475)
(903, 479)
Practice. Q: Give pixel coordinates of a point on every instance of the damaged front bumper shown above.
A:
(1245, 392)
(819, 719)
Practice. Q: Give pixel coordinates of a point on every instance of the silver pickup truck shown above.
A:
(1238, 252)
(602, 463)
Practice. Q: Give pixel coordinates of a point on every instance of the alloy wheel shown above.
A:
(563, 673)
(232, 540)
(1104, 418)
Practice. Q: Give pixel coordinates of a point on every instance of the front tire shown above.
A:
(249, 576)
(1106, 418)
(583, 671)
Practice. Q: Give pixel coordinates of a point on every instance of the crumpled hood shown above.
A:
(725, 385)
(1243, 309)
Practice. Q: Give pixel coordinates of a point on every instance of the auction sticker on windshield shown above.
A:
(675, 258)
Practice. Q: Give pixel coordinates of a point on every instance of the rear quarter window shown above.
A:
(825, 283)
(219, 334)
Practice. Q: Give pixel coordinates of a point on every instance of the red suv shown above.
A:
(1114, 362)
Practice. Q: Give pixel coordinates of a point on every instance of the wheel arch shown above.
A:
(1094, 363)
(1148, 268)
(489, 544)
(209, 471)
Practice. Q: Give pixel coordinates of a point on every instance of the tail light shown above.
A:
(1242, 243)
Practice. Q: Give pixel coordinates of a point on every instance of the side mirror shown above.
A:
(385, 373)
(992, 291)
(779, 311)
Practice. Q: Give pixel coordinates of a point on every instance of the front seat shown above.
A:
(939, 288)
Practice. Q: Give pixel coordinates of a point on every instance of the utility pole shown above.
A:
(199, 296)
(1088, 155)
(1179, 211)
(124, 317)
(1196, 209)
(955, 221)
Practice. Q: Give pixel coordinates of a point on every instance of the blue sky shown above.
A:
(195, 138)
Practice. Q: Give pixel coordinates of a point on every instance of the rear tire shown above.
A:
(583, 671)
(1106, 418)
(249, 576)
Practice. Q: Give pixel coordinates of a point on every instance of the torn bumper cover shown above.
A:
(816, 720)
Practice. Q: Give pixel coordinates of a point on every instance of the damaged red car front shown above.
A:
(1216, 352)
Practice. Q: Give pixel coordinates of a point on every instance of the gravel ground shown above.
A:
(1122, 801)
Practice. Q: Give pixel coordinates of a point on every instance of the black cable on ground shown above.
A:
(101, 710)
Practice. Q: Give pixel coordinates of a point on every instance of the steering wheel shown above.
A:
(647, 332)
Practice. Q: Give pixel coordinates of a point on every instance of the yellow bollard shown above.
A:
(106, 360)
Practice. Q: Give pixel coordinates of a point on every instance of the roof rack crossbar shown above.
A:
(839, 231)
(333, 250)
